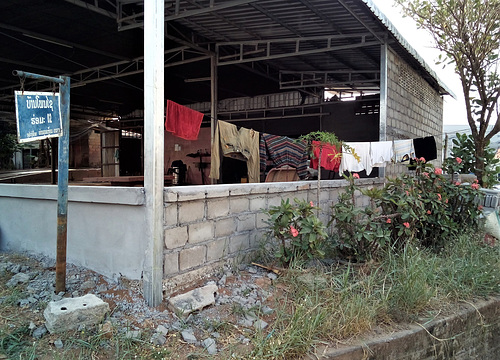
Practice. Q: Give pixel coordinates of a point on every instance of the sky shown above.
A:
(421, 40)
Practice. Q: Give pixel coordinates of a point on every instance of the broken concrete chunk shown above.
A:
(193, 300)
(68, 314)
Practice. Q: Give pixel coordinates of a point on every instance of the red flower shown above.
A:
(407, 225)
(422, 159)
(438, 171)
(294, 231)
(426, 174)
(311, 203)
(388, 221)
(356, 176)
(428, 212)
(475, 186)
(439, 196)
(480, 207)
(457, 183)
(458, 160)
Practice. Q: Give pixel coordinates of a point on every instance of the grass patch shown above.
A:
(344, 301)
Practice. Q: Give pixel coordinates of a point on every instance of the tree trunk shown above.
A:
(479, 153)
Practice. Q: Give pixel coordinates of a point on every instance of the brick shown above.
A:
(245, 222)
(192, 257)
(176, 237)
(217, 208)
(225, 227)
(171, 264)
(239, 204)
(191, 211)
(217, 249)
(239, 243)
(200, 232)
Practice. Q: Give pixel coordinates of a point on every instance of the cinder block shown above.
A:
(239, 204)
(201, 231)
(191, 211)
(245, 222)
(68, 314)
(261, 220)
(257, 203)
(217, 208)
(171, 264)
(176, 237)
(239, 243)
(192, 257)
(217, 249)
(225, 227)
(170, 214)
(193, 300)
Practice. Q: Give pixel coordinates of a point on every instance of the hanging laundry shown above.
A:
(426, 148)
(241, 144)
(381, 152)
(403, 151)
(349, 162)
(330, 156)
(182, 121)
(282, 151)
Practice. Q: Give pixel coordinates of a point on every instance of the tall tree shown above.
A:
(468, 34)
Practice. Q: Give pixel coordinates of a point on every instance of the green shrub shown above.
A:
(300, 232)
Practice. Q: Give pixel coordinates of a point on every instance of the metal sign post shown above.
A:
(62, 173)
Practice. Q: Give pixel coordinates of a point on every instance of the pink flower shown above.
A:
(388, 221)
(311, 203)
(294, 231)
(480, 207)
(407, 193)
(438, 171)
(475, 186)
(356, 176)
(428, 212)
(426, 174)
(458, 160)
(439, 196)
(422, 159)
(407, 225)
(457, 183)
(446, 201)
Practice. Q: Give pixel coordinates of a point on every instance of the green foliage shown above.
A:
(298, 229)
(463, 149)
(468, 34)
(428, 207)
(8, 145)
(359, 232)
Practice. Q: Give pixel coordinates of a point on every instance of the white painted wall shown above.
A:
(106, 225)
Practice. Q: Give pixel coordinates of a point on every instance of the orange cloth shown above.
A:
(330, 157)
(182, 121)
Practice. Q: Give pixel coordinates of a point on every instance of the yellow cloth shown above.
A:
(241, 144)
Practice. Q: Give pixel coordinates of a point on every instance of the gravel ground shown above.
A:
(242, 304)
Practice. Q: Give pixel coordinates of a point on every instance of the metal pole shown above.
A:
(214, 102)
(383, 100)
(154, 110)
(62, 173)
(62, 186)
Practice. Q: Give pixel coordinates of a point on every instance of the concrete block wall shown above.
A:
(414, 108)
(209, 225)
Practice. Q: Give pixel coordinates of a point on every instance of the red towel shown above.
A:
(329, 158)
(182, 121)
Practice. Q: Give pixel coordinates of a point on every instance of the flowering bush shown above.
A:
(298, 229)
(358, 233)
(429, 207)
